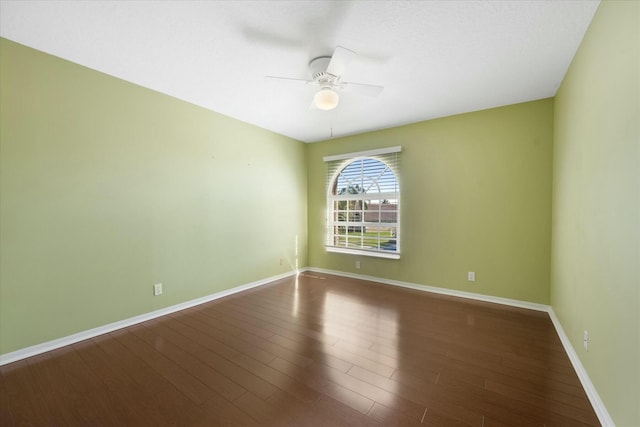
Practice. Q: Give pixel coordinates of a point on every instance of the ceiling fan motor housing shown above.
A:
(318, 68)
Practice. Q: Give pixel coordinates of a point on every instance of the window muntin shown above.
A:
(363, 206)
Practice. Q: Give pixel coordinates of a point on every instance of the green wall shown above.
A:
(595, 281)
(476, 196)
(107, 188)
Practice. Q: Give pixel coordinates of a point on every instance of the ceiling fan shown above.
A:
(326, 73)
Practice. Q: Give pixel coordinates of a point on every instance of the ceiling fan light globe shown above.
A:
(326, 99)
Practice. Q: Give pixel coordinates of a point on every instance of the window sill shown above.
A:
(375, 254)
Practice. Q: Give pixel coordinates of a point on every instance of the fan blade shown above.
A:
(290, 80)
(274, 39)
(363, 89)
(339, 60)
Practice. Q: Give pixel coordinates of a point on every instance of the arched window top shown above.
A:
(365, 175)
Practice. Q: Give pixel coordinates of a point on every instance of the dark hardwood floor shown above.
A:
(317, 351)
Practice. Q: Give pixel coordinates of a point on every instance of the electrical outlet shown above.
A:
(471, 276)
(585, 340)
(357, 264)
(157, 289)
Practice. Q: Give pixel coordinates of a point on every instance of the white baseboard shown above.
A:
(436, 290)
(80, 336)
(598, 406)
(590, 390)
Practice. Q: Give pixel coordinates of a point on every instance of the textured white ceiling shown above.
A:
(434, 58)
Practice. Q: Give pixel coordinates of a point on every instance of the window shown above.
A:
(363, 203)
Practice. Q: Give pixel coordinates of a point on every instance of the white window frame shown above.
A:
(336, 164)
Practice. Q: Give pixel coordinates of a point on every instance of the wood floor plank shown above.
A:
(218, 412)
(260, 410)
(290, 411)
(332, 412)
(316, 350)
(270, 346)
(306, 323)
(197, 391)
(284, 382)
(189, 340)
(433, 418)
(284, 324)
(24, 396)
(577, 409)
(232, 337)
(409, 393)
(196, 368)
(208, 335)
(65, 405)
(510, 409)
(6, 416)
(391, 418)
(324, 385)
(133, 402)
